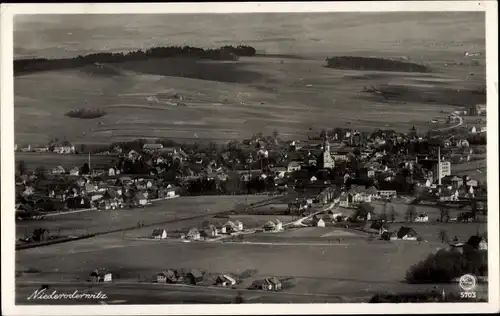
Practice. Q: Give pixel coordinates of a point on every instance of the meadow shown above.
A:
(52, 160)
(353, 268)
(193, 100)
(92, 222)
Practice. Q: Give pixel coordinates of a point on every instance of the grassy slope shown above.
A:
(227, 101)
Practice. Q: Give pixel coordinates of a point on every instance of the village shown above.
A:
(360, 186)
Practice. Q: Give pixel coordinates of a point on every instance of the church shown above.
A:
(325, 160)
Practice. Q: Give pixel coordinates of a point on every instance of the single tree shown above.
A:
(85, 169)
(444, 214)
(384, 213)
(21, 167)
(410, 213)
(443, 235)
(393, 213)
(420, 239)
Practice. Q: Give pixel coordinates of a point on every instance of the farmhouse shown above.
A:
(210, 231)
(422, 218)
(225, 280)
(194, 277)
(167, 276)
(267, 284)
(74, 171)
(406, 233)
(193, 234)
(159, 233)
(318, 222)
(99, 275)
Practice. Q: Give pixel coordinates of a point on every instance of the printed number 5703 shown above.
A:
(467, 294)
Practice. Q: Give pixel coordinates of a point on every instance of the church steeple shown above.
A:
(327, 143)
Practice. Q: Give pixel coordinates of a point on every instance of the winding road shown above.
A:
(460, 122)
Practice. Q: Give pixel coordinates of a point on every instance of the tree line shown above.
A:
(222, 53)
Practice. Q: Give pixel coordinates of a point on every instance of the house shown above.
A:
(406, 233)
(194, 277)
(230, 227)
(141, 199)
(68, 149)
(167, 276)
(99, 275)
(267, 284)
(210, 231)
(152, 147)
(273, 227)
(293, 166)
(74, 171)
(422, 218)
(478, 243)
(193, 234)
(159, 233)
(313, 179)
(225, 280)
(345, 200)
(113, 172)
(318, 222)
(58, 170)
(239, 225)
(387, 194)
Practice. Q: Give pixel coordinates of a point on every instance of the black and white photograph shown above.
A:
(204, 156)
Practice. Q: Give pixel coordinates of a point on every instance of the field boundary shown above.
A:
(228, 212)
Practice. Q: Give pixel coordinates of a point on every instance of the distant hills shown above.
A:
(225, 53)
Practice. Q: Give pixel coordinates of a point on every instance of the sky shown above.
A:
(56, 36)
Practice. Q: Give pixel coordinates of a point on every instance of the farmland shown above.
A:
(52, 160)
(101, 221)
(345, 269)
(231, 100)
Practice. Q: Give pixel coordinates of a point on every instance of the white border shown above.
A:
(7, 146)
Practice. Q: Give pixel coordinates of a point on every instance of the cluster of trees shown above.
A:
(204, 186)
(370, 63)
(446, 265)
(223, 53)
(86, 113)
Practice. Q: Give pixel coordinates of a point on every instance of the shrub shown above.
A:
(445, 265)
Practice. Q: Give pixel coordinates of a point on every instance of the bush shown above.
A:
(446, 265)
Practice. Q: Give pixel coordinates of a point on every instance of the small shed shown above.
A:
(159, 233)
(99, 275)
(194, 277)
(167, 276)
(407, 233)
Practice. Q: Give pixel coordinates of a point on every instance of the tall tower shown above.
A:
(439, 165)
(327, 143)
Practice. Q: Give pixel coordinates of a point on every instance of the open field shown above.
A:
(168, 210)
(229, 100)
(354, 268)
(475, 169)
(52, 160)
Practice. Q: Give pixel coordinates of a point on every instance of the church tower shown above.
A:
(325, 160)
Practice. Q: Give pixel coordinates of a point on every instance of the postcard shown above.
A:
(317, 158)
